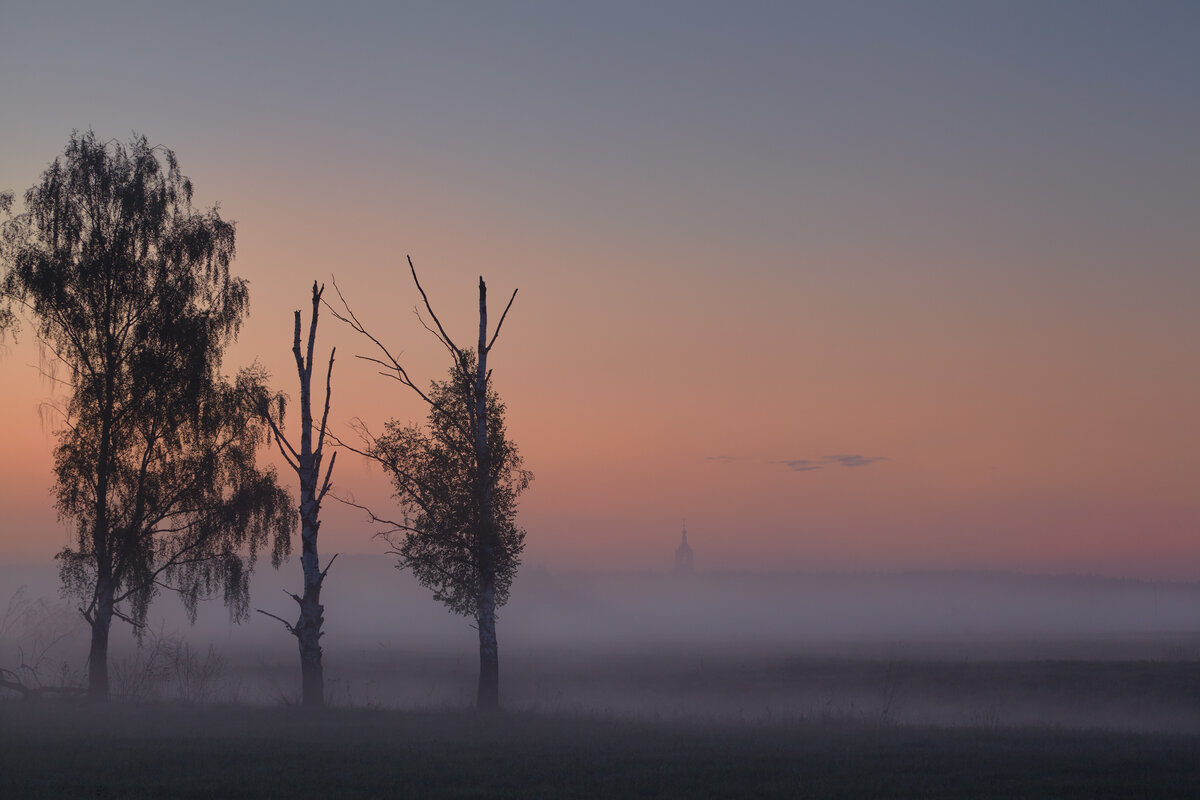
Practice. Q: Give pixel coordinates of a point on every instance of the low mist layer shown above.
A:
(942, 648)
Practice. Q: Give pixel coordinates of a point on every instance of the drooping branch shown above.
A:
(377, 520)
(281, 440)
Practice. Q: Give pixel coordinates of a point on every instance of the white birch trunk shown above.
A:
(308, 627)
(307, 464)
(489, 656)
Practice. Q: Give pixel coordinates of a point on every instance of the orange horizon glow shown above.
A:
(740, 240)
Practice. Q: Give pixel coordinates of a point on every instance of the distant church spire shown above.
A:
(683, 555)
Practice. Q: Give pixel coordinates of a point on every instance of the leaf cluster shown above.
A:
(129, 289)
(433, 469)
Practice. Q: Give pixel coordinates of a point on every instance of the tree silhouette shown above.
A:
(306, 461)
(129, 290)
(457, 482)
(433, 471)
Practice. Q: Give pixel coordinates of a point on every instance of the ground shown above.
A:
(57, 750)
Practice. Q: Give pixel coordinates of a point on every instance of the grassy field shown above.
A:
(52, 750)
(732, 687)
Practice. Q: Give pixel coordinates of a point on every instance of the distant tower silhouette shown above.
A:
(683, 556)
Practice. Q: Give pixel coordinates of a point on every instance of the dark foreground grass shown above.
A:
(59, 751)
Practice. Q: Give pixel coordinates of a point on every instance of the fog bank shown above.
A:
(944, 648)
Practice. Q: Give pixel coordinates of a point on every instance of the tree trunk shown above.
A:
(489, 658)
(308, 470)
(308, 629)
(489, 654)
(101, 622)
(102, 611)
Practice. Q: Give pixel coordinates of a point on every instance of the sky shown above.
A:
(846, 285)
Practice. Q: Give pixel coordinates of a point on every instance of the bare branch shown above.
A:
(281, 440)
(339, 443)
(501, 322)
(130, 620)
(375, 519)
(416, 489)
(328, 393)
(392, 363)
(312, 328)
(436, 335)
(14, 683)
(286, 624)
(330, 564)
(296, 348)
(445, 337)
(328, 475)
(262, 405)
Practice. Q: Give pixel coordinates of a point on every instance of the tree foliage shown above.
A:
(433, 469)
(458, 483)
(186, 500)
(129, 291)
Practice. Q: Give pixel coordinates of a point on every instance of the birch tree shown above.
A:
(130, 294)
(457, 482)
(306, 462)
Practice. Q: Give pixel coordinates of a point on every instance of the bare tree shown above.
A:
(31, 634)
(306, 461)
(458, 484)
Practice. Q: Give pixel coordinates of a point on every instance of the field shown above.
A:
(169, 750)
(887, 686)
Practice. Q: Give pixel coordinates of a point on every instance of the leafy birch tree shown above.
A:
(457, 480)
(130, 295)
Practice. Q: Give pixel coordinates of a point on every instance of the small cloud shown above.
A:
(854, 460)
(799, 464)
(720, 459)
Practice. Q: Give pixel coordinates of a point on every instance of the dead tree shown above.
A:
(491, 556)
(307, 464)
